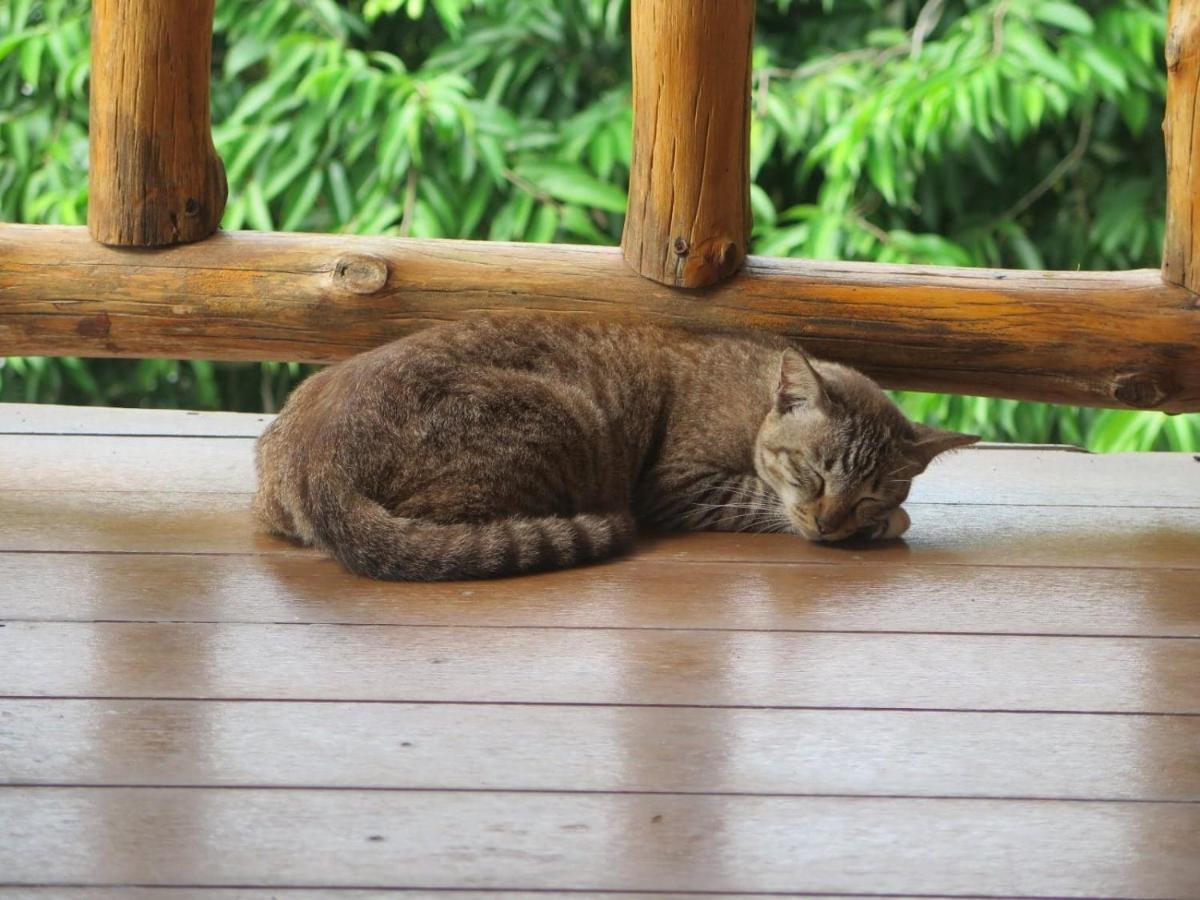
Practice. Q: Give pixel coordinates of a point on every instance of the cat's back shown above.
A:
(534, 342)
(420, 373)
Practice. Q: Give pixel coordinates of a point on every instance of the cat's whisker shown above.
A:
(752, 513)
(735, 493)
(752, 506)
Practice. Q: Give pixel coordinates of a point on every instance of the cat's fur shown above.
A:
(518, 443)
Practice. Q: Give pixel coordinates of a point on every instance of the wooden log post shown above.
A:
(155, 177)
(1181, 129)
(688, 221)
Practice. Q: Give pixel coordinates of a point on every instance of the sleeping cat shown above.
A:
(518, 443)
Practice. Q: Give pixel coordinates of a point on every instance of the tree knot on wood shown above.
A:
(1139, 390)
(681, 246)
(711, 261)
(191, 207)
(360, 273)
(97, 326)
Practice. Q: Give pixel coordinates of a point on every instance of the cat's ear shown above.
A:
(931, 442)
(799, 384)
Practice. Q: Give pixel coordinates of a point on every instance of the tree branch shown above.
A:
(1055, 175)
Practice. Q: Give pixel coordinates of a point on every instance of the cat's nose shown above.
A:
(831, 517)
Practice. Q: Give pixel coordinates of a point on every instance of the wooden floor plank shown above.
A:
(606, 749)
(982, 477)
(708, 668)
(88, 464)
(27, 418)
(631, 842)
(718, 714)
(941, 535)
(311, 589)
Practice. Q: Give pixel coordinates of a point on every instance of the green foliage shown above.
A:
(1016, 133)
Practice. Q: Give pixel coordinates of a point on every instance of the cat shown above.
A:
(509, 444)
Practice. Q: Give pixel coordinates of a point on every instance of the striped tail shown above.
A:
(369, 541)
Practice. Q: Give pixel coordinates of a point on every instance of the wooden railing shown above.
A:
(1124, 339)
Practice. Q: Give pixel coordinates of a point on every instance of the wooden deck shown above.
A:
(1006, 705)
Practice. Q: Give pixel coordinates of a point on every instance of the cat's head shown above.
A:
(838, 452)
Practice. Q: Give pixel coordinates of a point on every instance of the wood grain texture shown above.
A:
(631, 594)
(590, 666)
(720, 713)
(688, 221)
(154, 176)
(632, 842)
(599, 749)
(88, 421)
(1101, 339)
(942, 534)
(1181, 130)
(152, 461)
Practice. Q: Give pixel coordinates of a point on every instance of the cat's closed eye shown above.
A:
(806, 478)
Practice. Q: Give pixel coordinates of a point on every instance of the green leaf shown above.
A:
(299, 159)
(339, 185)
(1105, 65)
(509, 223)
(1135, 110)
(248, 153)
(473, 209)
(826, 238)
(10, 43)
(576, 221)
(1034, 102)
(572, 183)
(1183, 433)
(1066, 16)
(297, 208)
(245, 53)
(31, 60)
(1039, 57)
(882, 170)
(257, 213)
(761, 207)
(544, 226)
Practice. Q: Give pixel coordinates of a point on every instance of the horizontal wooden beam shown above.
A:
(1124, 339)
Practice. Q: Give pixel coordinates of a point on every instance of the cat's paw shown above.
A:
(897, 523)
(893, 526)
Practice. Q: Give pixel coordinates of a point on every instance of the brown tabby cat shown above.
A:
(517, 443)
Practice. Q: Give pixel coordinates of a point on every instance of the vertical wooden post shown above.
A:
(155, 176)
(1181, 128)
(688, 222)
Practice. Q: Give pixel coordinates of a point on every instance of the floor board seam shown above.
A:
(550, 890)
(858, 564)
(593, 792)
(409, 701)
(706, 629)
(249, 494)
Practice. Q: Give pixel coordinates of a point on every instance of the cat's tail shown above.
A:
(370, 541)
